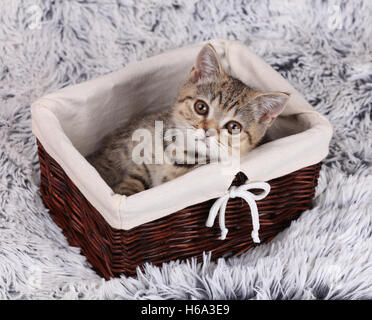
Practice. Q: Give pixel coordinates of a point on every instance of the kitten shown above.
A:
(208, 101)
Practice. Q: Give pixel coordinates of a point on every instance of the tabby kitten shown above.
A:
(210, 105)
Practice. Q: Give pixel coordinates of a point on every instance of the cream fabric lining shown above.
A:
(71, 122)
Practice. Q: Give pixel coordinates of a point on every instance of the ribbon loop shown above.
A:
(239, 192)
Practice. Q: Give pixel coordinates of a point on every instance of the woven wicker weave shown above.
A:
(181, 235)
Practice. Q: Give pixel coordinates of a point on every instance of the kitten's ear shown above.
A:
(268, 105)
(207, 65)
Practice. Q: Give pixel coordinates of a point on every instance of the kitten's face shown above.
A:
(221, 111)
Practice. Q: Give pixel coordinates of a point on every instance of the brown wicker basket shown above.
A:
(181, 235)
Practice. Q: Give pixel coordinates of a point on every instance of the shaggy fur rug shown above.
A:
(322, 47)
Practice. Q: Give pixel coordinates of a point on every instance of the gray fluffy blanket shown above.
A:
(323, 48)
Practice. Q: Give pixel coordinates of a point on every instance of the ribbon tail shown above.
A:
(254, 215)
(223, 228)
(214, 210)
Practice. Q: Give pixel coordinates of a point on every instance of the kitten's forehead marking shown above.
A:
(207, 90)
(229, 91)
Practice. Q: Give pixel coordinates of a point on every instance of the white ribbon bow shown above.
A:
(249, 197)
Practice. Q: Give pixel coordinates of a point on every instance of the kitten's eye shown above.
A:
(233, 127)
(201, 107)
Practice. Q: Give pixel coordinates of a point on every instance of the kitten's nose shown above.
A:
(209, 132)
